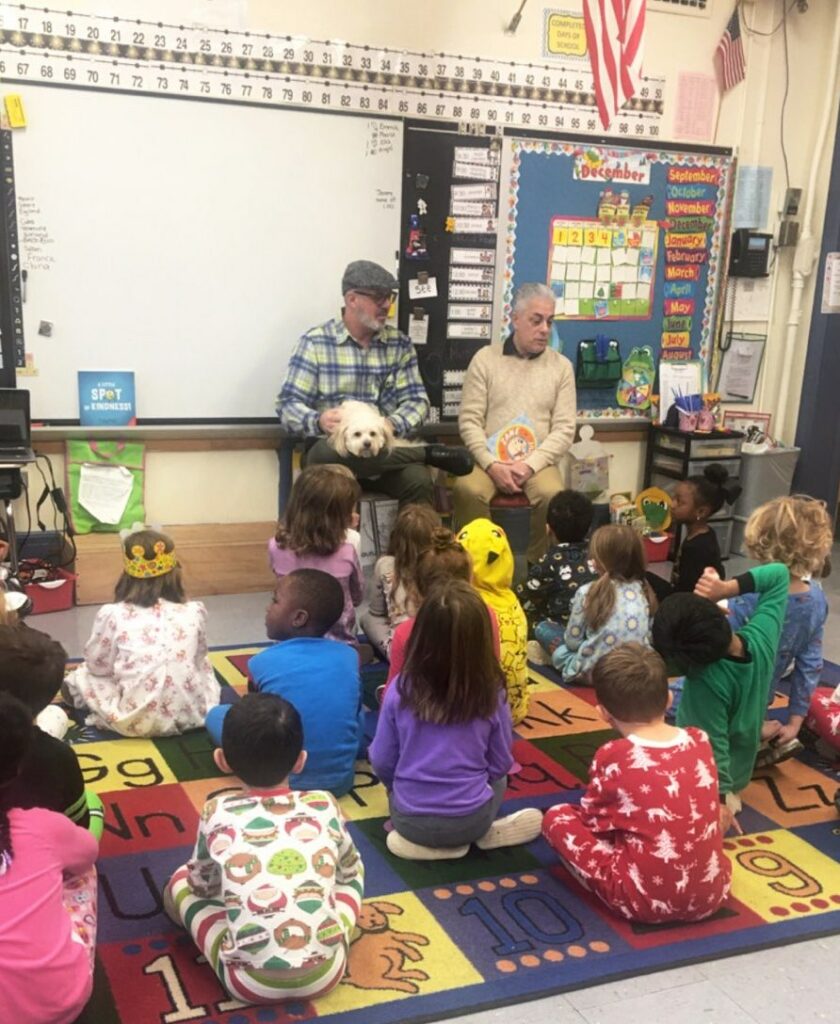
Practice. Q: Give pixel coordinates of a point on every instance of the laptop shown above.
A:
(15, 427)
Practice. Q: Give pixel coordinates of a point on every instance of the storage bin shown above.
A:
(723, 529)
(668, 463)
(54, 596)
(764, 476)
(716, 448)
(738, 545)
(657, 548)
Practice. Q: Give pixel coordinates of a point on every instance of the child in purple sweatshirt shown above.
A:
(443, 744)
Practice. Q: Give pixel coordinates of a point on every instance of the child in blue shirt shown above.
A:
(795, 531)
(319, 676)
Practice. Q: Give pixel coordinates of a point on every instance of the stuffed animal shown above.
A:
(492, 561)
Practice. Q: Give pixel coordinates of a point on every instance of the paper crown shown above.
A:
(142, 568)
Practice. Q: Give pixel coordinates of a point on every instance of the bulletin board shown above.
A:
(630, 240)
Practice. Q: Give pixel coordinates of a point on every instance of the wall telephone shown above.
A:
(750, 253)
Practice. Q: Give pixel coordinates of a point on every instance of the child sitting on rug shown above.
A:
(274, 887)
(47, 892)
(320, 677)
(646, 838)
(694, 503)
(313, 535)
(146, 670)
(31, 669)
(492, 561)
(824, 721)
(444, 559)
(797, 532)
(726, 673)
(392, 592)
(552, 583)
(443, 744)
(615, 609)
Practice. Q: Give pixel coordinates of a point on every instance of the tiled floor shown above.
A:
(796, 984)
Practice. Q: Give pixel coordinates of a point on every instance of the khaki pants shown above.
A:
(472, 495)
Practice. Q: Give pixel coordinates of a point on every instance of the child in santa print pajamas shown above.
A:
(646, 838)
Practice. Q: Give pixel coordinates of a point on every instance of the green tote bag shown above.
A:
(129, 456)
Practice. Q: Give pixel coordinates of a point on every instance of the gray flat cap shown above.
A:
(367, 275)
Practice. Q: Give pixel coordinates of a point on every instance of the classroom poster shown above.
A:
(628, 239)
(106, 398)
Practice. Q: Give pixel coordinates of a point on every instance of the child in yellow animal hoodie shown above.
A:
(492, 561)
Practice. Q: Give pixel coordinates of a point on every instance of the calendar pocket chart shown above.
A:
(600, 271)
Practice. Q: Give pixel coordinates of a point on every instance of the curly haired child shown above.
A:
(795, 531)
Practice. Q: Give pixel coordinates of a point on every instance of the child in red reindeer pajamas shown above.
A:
(646, 838)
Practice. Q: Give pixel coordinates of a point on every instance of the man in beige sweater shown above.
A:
(523, 378)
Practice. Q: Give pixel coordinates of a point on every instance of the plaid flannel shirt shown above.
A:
(328, 368)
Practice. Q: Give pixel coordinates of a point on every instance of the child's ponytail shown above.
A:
(444, 559)
(15, 737)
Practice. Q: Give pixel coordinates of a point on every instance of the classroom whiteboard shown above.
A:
(189, 241)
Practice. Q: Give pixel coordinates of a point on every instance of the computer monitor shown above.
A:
(15, 426)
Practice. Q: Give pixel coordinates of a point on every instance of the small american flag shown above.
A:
(615, 31)
(731, 51)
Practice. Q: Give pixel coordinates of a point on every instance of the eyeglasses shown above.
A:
(379, 297)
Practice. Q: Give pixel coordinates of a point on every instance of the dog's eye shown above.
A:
(357, 433)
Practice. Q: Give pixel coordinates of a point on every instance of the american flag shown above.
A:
(615, 32)
(731, 52)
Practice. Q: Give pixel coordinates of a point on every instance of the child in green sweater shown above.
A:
(727, 673)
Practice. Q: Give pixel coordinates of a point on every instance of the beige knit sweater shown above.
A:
(498, 388)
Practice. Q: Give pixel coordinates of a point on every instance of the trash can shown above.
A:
(764, 475)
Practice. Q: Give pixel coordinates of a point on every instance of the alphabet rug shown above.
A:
(444, 938)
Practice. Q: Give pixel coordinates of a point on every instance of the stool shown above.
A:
(377, 513)
(513, 513)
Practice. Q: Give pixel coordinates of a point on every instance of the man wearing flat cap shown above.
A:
(359, 356)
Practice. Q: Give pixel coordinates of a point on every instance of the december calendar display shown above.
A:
(630, 240)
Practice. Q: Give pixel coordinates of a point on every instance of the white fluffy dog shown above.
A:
(363, 431)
